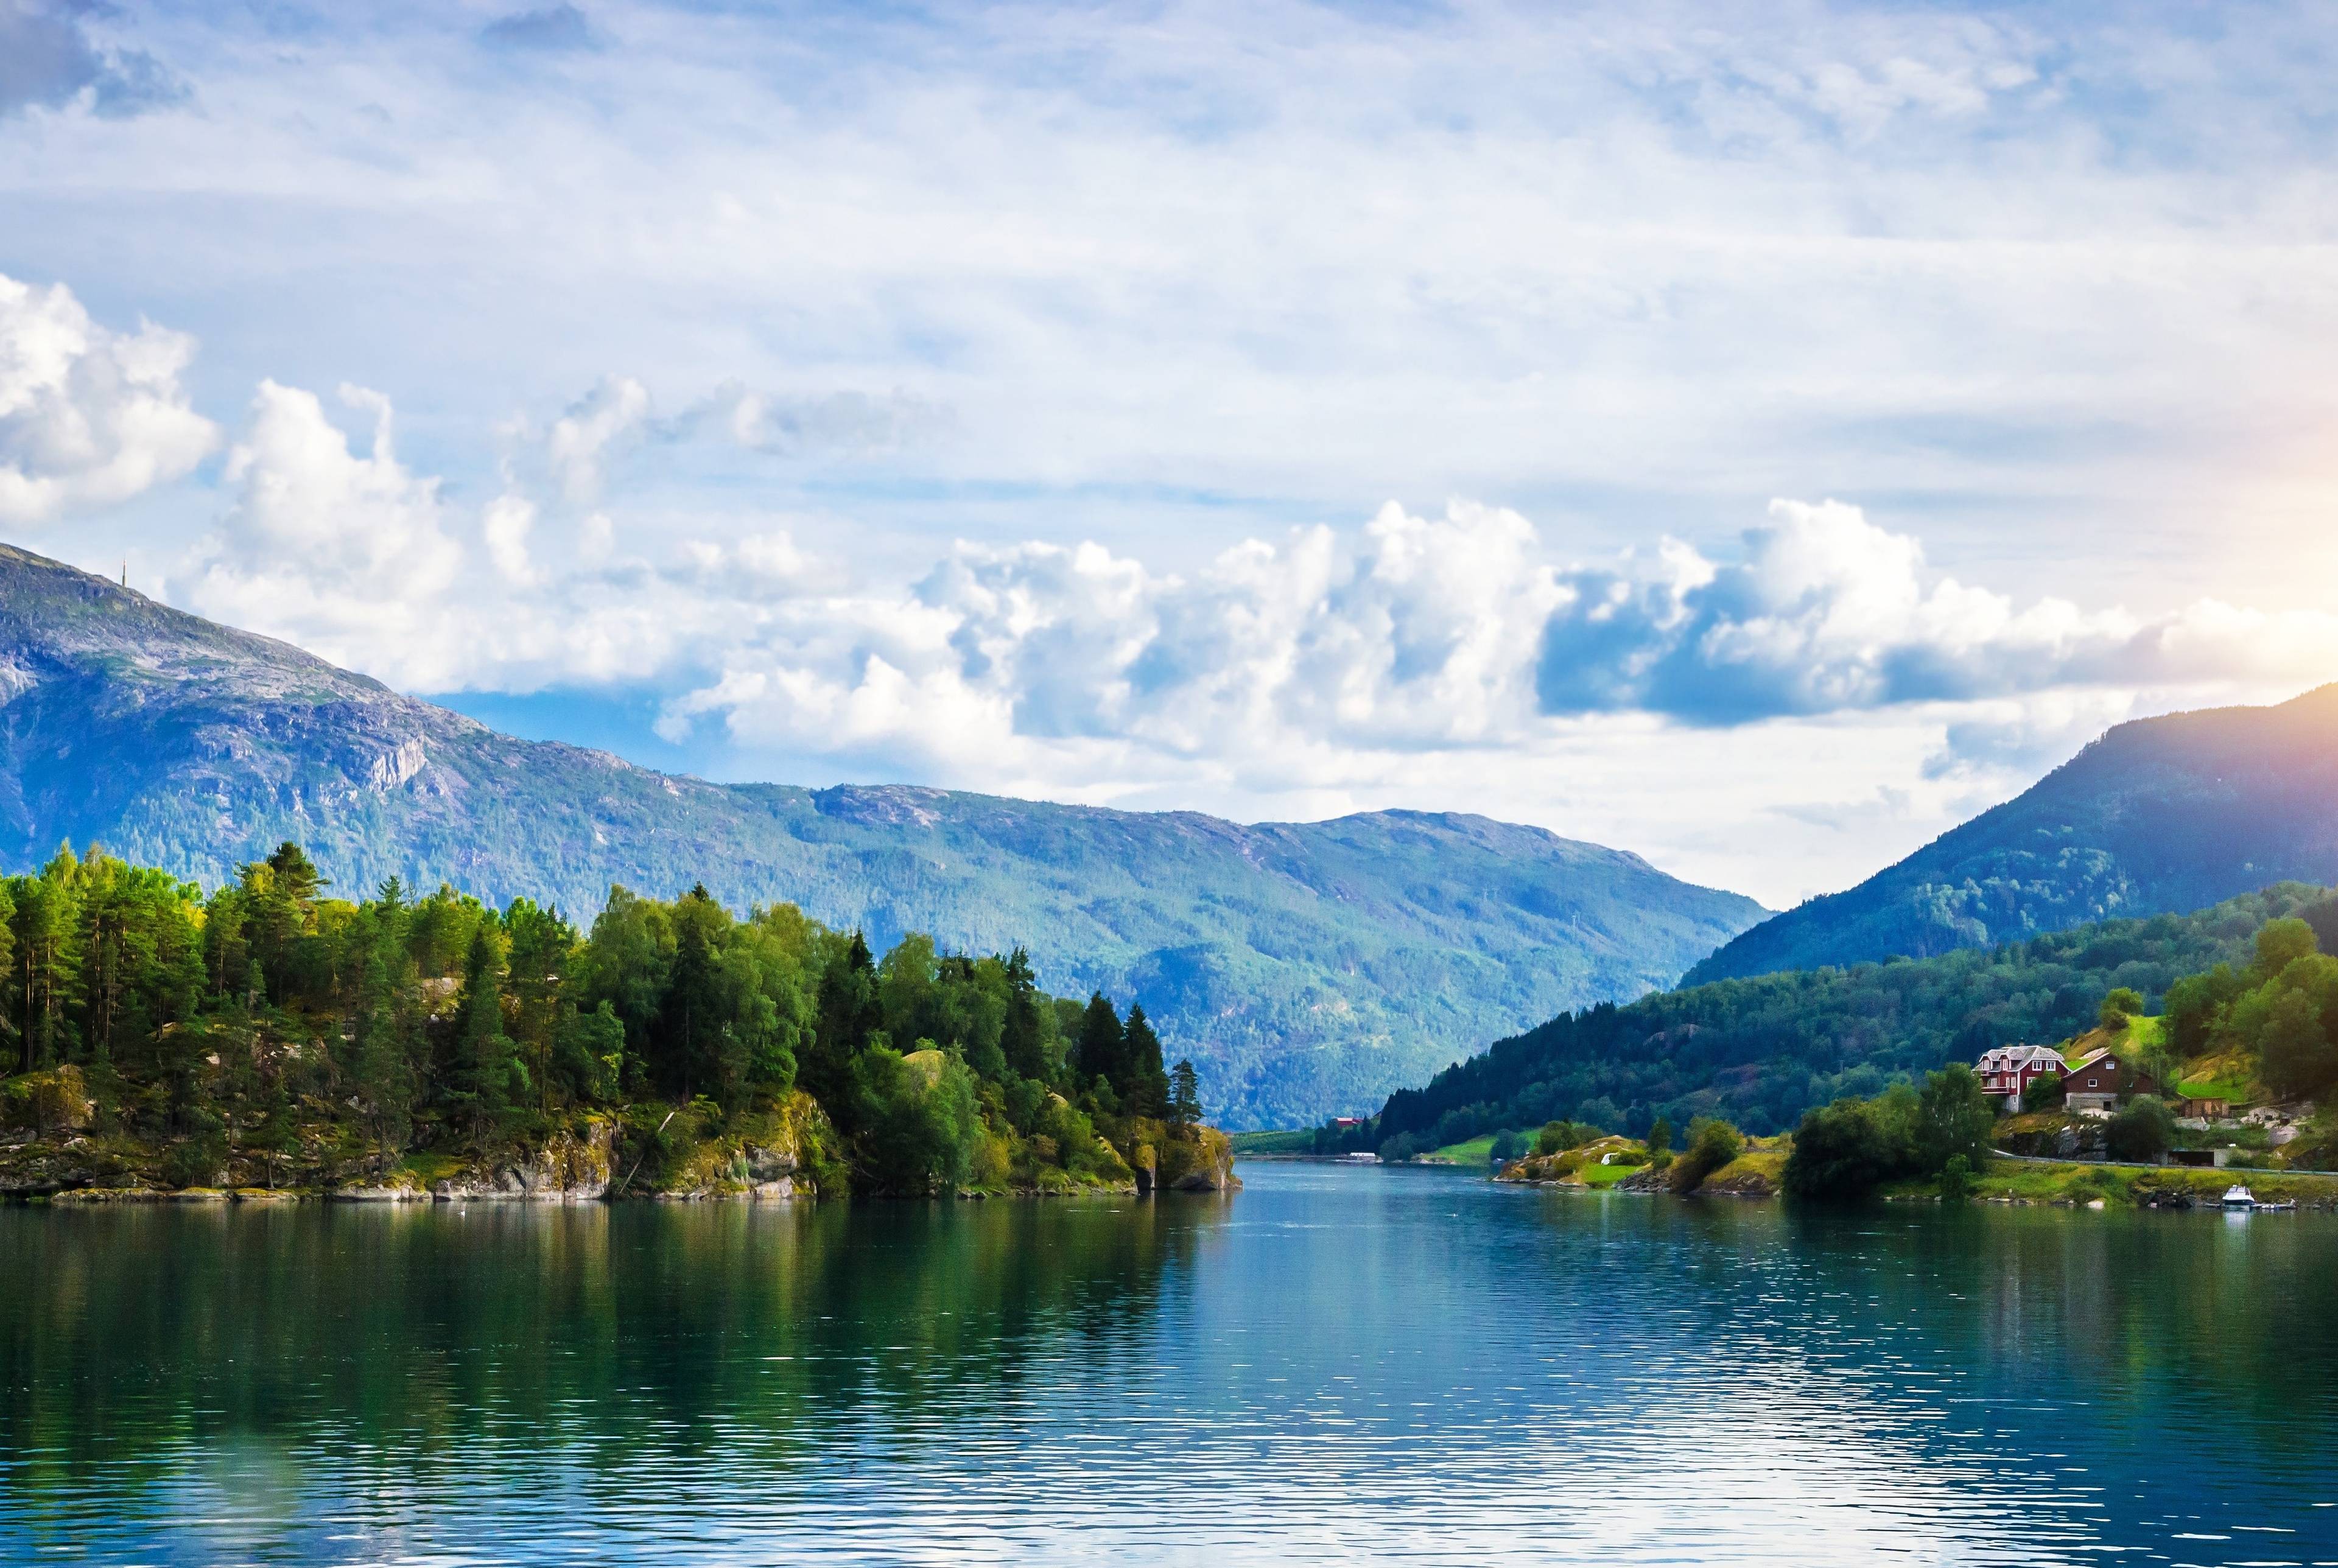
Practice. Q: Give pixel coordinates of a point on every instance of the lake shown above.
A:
(1336, 1365)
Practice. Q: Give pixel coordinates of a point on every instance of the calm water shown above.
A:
(1335, 1365)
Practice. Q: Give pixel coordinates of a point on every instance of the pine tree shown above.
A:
(382, 1066)
(488, 1071)
(1024, 1039)
(1143, 1086)
(1184, 1095)
(1098, 1051)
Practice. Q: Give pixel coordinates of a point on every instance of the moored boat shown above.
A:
(2239, 1197)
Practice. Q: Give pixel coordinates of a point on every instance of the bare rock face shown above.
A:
(1203, 1164)
(568, 1168)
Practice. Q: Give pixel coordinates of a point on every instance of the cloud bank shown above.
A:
(88, 416)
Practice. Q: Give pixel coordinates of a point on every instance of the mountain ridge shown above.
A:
(2161, 814)
(1309, 967)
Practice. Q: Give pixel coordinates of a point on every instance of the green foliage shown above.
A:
(1761, 1051)
(1506, 1146)
(1558, 1137)
(1711, 1145)
(1954, 1120)
(2123, 1004)
(2141, 1131)
(1956, 1180)
(1848, 1149)
(1184, 1095)
(2045, 1091)
(244, 1025)
(1660, 1136)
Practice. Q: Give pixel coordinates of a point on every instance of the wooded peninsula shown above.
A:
(268, 1037)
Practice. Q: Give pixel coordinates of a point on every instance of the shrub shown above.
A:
(1956, 1180)
(1711, 1145)
(2140, 1132)
(1847, 1150)
(2044, 1092)
(1506, 1148)
(194, 1162)
(2120, 1005)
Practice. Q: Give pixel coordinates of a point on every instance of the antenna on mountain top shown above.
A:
(125, 570)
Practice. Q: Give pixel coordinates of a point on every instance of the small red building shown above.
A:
(2097, 1081)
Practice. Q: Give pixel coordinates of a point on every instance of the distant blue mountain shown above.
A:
(1307, 968)
(2159, 815)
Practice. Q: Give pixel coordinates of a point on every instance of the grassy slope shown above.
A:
(2162, 814)
(1307, 968)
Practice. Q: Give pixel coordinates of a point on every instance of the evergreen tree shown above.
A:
(1097, 1051)
(1143, 1086)
(487, 1072)
(1023, 1036)
(383, 1072)
(1184, 1095)
(849, 1016)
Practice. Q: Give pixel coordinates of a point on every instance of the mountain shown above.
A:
(1307, 968)
(1761, 1051)
(2161, 814)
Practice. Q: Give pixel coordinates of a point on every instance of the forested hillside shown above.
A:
(1760, 1051)
(2159, 815)
(1307, 968)
(273, 1035)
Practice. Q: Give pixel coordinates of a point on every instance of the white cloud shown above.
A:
(579, 440)
(88, 418)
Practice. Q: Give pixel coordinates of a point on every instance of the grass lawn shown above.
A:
(1479, 1151)
(2059, 1181)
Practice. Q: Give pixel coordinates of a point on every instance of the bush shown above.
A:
(2141, 1131)
(1558, 1137)
(1711, 1145)
(920, 1122)
(1847, 1150)
(2120, 1005)
(195, 1163)
(1506, 1148)
(1956, 1180)
(2044, 1092)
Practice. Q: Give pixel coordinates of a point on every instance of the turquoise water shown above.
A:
(1336, 1365)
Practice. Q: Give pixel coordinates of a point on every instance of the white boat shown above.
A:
(2239, 1197)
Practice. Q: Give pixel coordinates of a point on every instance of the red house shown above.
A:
(2097, 1081)
(2007, 1073)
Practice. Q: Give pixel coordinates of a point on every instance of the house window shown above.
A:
(2090, 1082)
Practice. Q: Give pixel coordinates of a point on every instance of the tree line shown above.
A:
(1758, 1053)
(243, 1016)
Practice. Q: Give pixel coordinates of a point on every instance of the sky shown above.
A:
(1756, 435)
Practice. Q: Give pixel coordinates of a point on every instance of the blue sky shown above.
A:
(1757, 435)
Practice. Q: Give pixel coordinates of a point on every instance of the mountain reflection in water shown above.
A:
(1336, 1365)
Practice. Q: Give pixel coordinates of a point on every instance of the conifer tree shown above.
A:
(1143, 1086)
(1184, 1095)
(487, 1072)
(1097, 1055)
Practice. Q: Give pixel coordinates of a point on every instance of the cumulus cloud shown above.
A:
(1414, 634)
(1824, 612)
(88, 416)
(580, 441)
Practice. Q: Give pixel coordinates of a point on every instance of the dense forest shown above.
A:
(270, 1033)
(1760, 1051)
